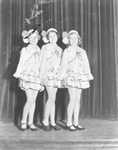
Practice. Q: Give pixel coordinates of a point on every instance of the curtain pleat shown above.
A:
(115, 20)
(97, 23)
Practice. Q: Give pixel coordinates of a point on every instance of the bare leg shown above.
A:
(77, 106)
(70, 107)
(52, 114)
(50, 105)
(27, 105)
(32, 108)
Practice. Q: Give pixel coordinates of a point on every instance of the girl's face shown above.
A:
(52, 36)
(73, 38)
(33, 39)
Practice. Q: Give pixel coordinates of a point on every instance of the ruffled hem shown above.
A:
(80, 77)
(30, 78)
(71, 82)
(51, 82)
(29, 85)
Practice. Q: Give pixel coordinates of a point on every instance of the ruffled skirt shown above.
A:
(72, 82)
(29, 79)
(50, 79)
(76, 80)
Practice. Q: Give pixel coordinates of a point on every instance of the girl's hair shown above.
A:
(52, 30)
(75, 32)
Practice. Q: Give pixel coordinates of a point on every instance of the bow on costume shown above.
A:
(69, 55)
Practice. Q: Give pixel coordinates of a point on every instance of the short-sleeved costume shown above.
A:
(50, 63)
(28, 69)
(75, 71)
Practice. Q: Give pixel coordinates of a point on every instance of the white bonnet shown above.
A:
(51, 29)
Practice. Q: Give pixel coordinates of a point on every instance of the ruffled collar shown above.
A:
(51, 50)
(74, 49)
(51, 47)
(32, 49)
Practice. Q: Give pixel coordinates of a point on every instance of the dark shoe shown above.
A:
(32, 127)
(23, 128)
(46, 128)
(78, 127)
(70, 128)
(57, 128)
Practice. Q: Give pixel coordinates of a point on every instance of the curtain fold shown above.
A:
(115, 20)
(97, 23)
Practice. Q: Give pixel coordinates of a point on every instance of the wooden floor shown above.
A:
(99, 135)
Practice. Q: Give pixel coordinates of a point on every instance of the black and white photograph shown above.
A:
(58, 74)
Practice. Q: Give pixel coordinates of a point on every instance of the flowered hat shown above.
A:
(27, 34)
(65, 37)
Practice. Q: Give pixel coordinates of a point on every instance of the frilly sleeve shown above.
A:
(42, 62)
(88, 66)
(63, 66)
(20, 64)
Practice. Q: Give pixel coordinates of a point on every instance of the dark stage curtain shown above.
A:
(97, 23)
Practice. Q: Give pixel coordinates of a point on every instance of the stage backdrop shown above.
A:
(97, 23)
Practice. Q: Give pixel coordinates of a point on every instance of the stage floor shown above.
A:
(99, 135)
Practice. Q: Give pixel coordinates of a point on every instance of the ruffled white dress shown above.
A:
(28, 69)
(50, 64)
(75, 70)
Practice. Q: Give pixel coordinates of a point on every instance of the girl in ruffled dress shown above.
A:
(50, 63)
(28, 73)
(75, 75)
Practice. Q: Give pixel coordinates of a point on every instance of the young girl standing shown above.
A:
(29, 81)
(75, 74)
(50, 63)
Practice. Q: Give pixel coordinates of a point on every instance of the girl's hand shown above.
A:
(16, 75)
(42, 88)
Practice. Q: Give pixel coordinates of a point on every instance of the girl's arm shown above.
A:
(42, 62)
(87, 64)
(21, 63)
(64, 65)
